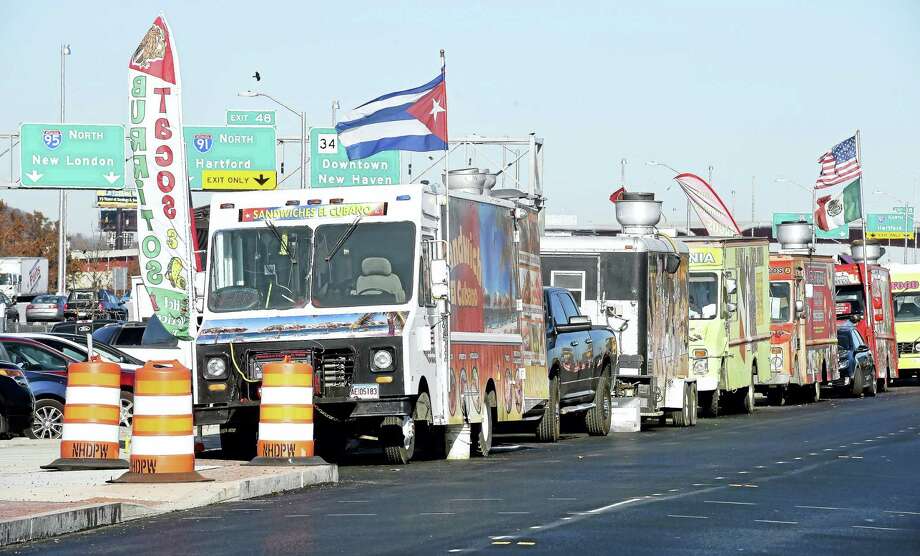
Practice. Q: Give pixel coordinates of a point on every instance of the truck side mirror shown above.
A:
(440, 279)
(731, 286)
(731, 307)
(672, 263)
(799, 306)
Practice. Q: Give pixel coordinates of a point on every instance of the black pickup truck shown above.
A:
(579, 356)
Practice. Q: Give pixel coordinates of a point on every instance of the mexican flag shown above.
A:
(839, 209)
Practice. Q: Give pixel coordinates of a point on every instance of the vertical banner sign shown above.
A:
(160, 177)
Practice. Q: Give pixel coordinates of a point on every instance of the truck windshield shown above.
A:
(373, 265)
(779, 302)
(260, 268)
(907, 307)
(849, 300)
(7, 279)
(704, 296)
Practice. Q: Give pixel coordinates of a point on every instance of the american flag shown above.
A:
(839, 165)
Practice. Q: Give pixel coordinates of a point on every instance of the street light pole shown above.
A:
(303, 131)
(335, 106)
(663, 165)
(62, 199)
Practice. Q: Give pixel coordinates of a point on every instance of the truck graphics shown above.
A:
(905, 290)
(729, 324)
(23, 278)
(803, 350)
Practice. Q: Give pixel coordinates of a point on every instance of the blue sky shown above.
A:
(754, 89)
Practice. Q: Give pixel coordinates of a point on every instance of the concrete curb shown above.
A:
(60, 522)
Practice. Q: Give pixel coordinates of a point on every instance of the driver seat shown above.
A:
(377, 274)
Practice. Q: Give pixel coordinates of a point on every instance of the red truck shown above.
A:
(875, 323)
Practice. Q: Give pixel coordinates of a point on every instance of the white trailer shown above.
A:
(23, 278)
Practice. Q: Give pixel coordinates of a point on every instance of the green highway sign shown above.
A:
(841, 232)
(227, 148)
(330, 167)
(251, 117)
(72, 156)
(890, 225)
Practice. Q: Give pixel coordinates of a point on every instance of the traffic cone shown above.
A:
(91, 417)
(163, 436)
(286, 415)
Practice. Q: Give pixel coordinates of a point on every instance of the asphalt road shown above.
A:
(837, 477)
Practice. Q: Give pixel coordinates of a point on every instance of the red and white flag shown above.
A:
(707, 204)
(839, 165)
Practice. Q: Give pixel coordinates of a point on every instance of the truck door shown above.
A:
(800, 368)
(581, 344)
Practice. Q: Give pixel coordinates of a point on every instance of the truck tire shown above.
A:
(747, 398)
(859, 383)
(872, 386)
(482, 432)
(709, 402)
(682, 416)
(396, 449)
(597, 419)
(238, 440)
(813, 392)
(694, 405)
(548, 427)
(883, 382)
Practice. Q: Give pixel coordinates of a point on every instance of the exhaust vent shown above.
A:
(638, 213)
(470, 180)
(794, 236)
(868, 252)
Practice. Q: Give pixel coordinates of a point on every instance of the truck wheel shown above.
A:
(694, 405)
(597, 419)
(397, 449)
(747, 400)
(883, 383)
(682, 417)
(814, 392)
(483, 432)
(777, 396)
(859, 383)
(238, 440)
(709, 402)
(548, 427)
(872, 387)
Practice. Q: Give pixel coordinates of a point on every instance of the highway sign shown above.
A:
(841, 232)
(891, 225)
(71, 156)
(251, 117)
(239, 180)
(124, 199)
(227, 148)
(910, 210)
(330, 167)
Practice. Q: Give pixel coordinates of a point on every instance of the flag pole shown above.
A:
(862, 217)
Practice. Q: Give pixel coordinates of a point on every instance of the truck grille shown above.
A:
(257, 359)
(905, 347)
(335, 367)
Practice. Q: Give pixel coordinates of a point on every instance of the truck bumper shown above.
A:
(707, 383)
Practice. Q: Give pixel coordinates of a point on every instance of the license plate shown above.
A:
(365, 391)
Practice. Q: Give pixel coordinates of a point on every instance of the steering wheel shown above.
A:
(373, 291)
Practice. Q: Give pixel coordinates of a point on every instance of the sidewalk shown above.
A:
(37, 504)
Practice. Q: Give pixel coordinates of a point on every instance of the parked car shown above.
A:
(12, 313)
(122, 334)
(16, 401)
(46, 308)
(46, 369)
(147, 341)
(107, 352)
(857, 368)
(76, 327)
(94, 304)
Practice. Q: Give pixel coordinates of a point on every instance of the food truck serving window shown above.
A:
(260, 268)
(368, 264)
(780, 302)
(907, 307)
(704, 296)
(849, 300)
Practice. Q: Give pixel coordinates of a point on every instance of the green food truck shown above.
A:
(729, 319)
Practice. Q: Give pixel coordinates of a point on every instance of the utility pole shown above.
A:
(622, 172)
(62, 200)
(753, 197)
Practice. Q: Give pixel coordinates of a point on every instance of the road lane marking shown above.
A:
(512, 513)
(729, 502)
(297, 515)
(502, 543)
(778, 522)
(437, 513)
(901, 512)
(700, 484)
(743, 472)
(614, 505)
(350, 515)
(526, 543)
(245, 509)
(718, 478)
(819, 508)
(743, 485)
(781, 462)
(875, 528)
(688, 516)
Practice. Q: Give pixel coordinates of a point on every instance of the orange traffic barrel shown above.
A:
(92, 408)
(163, 435)
(286, 415)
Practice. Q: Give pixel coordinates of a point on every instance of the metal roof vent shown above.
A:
(870, 252)
(470, 180)
(638, 213)
(794, 237)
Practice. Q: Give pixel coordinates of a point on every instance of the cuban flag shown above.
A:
(410, 120)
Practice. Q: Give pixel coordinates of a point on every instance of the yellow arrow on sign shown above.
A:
(239, 180)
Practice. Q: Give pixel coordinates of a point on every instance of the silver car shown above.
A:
(46, 307)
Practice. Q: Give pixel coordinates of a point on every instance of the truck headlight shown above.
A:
(216, 368)
(917, 347)
(700, 361)
(382, 360)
